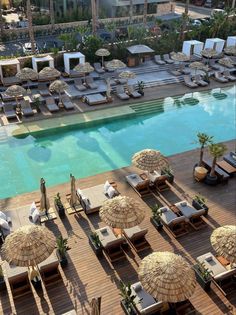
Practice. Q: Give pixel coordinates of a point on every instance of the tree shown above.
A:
(94, 16)
(145, 7)
(131, 11)
(216, 150)
(203, 140)
(52, 15)
(1, 21)
(30, 25)
(186, 7)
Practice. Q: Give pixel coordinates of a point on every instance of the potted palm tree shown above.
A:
(62, 249)
(95, 243)
(141, 87)
(59, 205)
(216, 150)
(203, 275)
(156, 217)
(127, 302)
(199, 202)
(169, 173)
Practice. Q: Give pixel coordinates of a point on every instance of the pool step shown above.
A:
(3, 134)
(148, 107)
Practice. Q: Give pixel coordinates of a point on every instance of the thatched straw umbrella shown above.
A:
(149, 160)
(44, 201)
(209, 53)
(122, 212)
(27, 74)
(226, 62)
(15, 91)
(223, 240)
(59, 87)
(102, 52)
(49, 73)
(84, 68)
(167, 277)
(28, 246)
(127, 75)
(230, 50)
(73, 196)
(197, 65)
(115, 64)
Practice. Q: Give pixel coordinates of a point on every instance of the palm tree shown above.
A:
(30, 25)
(131, 11)
(203, 140)
(145, 7)
(94, 16)
(52, 15)
(1, 21)
(186, 7)
(216, 150)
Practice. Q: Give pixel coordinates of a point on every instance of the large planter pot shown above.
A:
(97, 249)
(200, 206)
(200, 173)
(128, 310)
(60, 210)
(63, 260)
(210, 180)
(206, 285)
(158, 225)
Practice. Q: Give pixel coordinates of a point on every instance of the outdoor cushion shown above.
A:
(137, 286)
(187, 210)
(4, 224)
(213, 265)
(111, 192)
(163, 209)
(32, 208)
(35, 216)
(3, 216)
(183, 203)
(176, 220)
(209, 258)
(106, 186)
(168, 216)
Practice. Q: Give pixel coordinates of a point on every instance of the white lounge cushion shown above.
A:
(4, 224)
(86, 202)
(32, 208)
(3, 216)
(35, 216)
(111, 192)
(107, 185)
(163, 209)
(183, 203)
(137, 287)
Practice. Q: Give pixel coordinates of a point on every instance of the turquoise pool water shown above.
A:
(90, 150)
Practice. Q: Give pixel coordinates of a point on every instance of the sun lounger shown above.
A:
(98, 68)
(132, 92)
(144, 302)
(111, 245)
(79, 85)
(175, 72)
(8, 81)
(213, 65)
(7, 98)
(74, 74)
(136, 238)
(191, 214)
(18, 280)
(26, 108)
(49, 270)
(90, 83)
(141, 186)
(230, 158)
(119, 80)
(188, 82)
(43, 89)
(222, 176)
(229, 76)
(67, 102)
(176, 225)
(167, 59)
(160, 183)
(158, 60)
(95, 99)
(51, 105)
(182, 69)
(198, 79)
(9, 111)
(218, 76)
(120, 92)
(91, 199)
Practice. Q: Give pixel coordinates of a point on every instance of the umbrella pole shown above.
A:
(102, 62)
(28, 88)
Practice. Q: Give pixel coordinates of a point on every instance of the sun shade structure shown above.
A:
(84, 68)
(215, 43)
(122, 212)
(231, 41)
(28, 246)
(49, 73)
(209, 53)
(181, 57)
(59, 87)
(15, 91)
(140, 49)
(231, 50)
(27, 74)
(115, 64)
(72, 55)
(223, 240)
(73, 196)
(8, 62)
(197, 65)
(149, 160)
(44, 201)
(192, 47)
(127, 75)
(226, 62)
(167, 277)
(38, 59)
(102, 52)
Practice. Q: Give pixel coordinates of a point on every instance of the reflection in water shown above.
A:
(40, 152)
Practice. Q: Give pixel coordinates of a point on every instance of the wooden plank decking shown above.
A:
(87, 277)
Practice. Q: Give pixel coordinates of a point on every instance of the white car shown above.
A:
(27, 48)
(196, 23)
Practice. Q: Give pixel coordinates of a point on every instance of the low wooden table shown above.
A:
(223, 261)
(230, 169)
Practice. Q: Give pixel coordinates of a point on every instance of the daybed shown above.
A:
(141, 186)
(49, 270)
(136, 238)
(230, 158)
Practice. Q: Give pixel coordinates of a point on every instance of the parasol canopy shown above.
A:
(127, 75)
(15, 91)
(181, 57)
(122, 212)
(26, 74)
(197, 65)
(115, 64)
(28, 246)
(230, 50)
(49, 72)
(226, 62)
(167, 277)
(223, 240)
(102, 52)
(84, 68)
(209, 53)
(59, 87)
(149, 160)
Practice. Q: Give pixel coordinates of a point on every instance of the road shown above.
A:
(195, 12)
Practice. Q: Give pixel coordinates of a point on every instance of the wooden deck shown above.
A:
(87, 277)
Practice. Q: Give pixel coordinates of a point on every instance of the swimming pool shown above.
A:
(86, 151)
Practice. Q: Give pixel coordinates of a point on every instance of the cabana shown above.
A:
(72, 55)
(215, 43)
(36, 60)
(231, 41)
(192, 47)
(138, 53)
(13, 63)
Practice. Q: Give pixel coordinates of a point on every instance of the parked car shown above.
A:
(196, 23)
(27, 48)
(217, 11)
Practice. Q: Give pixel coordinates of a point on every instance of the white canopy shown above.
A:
(9, 62)
(231, 41)
(47, 58)
(192, 47)
(72, 55)
(215, 43)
